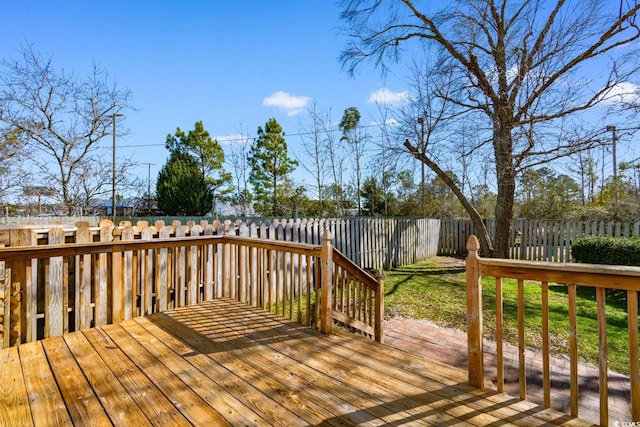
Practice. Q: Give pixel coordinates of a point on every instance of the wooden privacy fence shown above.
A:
(376, 243)
(122, 272)
(534, 240)
(600, 277)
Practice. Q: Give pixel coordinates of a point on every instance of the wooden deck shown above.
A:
(222, 362)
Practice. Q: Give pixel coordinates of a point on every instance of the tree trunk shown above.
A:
(506, 187)
(486, 245)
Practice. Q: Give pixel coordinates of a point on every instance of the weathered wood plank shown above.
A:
(313, 392)
(14, 402)
(443, 379)
(118, 404)
(223, 362)
(226, 404)
(47, 406)
(192, 406)
(158, 409)
(335, 361)
(83, 405)
(166, 330)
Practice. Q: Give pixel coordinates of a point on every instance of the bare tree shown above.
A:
(314, 160)
(337, 158)
(353, 136)
(521, 67)
(237, 158)
(63, 119)
(12, 176)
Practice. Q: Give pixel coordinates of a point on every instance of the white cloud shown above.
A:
(292, 104)
(388, 122)
(234, 138)
(385, 96)
(623, 93)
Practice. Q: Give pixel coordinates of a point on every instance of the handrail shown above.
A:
(600, 277)
(70, 249)
(90, 283)
(355, 306)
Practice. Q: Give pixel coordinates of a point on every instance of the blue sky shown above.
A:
(231, 64)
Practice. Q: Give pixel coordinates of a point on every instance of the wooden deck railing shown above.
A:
(358, 298)
(52, 289)
(600, 277)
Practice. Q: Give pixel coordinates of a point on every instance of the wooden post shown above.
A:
(634, 365)
(117, 281)
(101, 293)
(379, 332)
(54, 294)
(162, 271)
(326, 318)
(21, 292)
(474, 314)
(128, 281)
(84, 311)
(5, 306)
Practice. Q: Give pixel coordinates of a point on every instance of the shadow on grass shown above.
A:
(437, 271)
(615, 298)
(398, 278)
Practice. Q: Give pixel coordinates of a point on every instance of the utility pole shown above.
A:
(149, 185)
(612, 129)
(113, 168)
(422, 178)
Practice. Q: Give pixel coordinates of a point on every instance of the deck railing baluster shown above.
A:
(602, 355)
(117, 279)
(600, 277)
(634, 363)
(546, 372)
(573, 349)
(499, 344)
(522, 365)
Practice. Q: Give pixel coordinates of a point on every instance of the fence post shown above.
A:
(326, 318)
(474, 314)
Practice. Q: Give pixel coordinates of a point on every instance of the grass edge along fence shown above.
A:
(534, 240)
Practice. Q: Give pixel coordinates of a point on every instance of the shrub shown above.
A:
(607, 250)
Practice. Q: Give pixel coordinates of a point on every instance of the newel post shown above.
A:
(474, 314)
(326, 259)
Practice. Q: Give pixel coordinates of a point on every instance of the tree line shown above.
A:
(514, 109)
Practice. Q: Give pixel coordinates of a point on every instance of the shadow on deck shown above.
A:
(222, 362)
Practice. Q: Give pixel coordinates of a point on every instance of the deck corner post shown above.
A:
(474, 314)
(326, 315)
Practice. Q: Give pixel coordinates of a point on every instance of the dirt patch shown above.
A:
(447, 261)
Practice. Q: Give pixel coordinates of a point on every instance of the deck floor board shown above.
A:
(41, 388)
(222, 362)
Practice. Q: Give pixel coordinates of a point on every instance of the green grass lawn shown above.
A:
(435, 291)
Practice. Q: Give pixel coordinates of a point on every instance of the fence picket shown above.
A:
(54, 292)
(540, 241)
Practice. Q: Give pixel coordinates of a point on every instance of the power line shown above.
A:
(252, 138)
